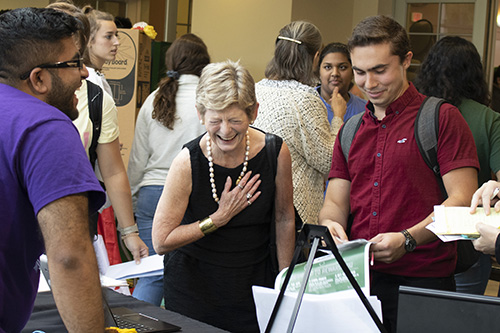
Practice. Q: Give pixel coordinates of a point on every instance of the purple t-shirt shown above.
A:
(41, 160)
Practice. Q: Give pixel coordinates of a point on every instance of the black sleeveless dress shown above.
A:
(211, 279)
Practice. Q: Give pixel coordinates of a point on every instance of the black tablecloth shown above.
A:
(45, 316)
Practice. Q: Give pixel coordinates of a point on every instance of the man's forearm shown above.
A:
(72, 263)
(77, 291)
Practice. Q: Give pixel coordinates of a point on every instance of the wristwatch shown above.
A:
(410, 243)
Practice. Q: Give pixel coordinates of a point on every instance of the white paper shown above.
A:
(111, 283)
(149, 266)
(101, 254)
(444, 238)
(456, 223)
(337, 312)
(42, 284)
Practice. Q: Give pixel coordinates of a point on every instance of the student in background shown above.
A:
(291, 108)
(495, 94)
(103, 45)
(109, 160)
(166, 121)
(335, 73)
(453, 71)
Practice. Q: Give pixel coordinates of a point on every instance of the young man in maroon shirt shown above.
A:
(385, 184)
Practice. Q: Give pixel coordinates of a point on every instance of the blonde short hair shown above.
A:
(223, 84)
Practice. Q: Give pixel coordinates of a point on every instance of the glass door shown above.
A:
(427, 22)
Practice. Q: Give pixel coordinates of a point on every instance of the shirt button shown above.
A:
(379, 154)
(383, 126)
(375, 184)
(397, 112)
(374, 213)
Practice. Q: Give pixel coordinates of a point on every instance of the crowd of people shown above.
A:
(223, 170)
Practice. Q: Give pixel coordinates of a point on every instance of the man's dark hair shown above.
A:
(379, 30)
(453, 71)
(30, 37)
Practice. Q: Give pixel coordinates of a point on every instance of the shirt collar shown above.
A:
(399, 104)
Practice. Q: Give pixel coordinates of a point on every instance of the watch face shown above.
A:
(409, 245)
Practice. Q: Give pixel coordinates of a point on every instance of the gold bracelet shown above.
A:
(207, 226)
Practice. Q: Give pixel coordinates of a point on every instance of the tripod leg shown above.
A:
(307, 272)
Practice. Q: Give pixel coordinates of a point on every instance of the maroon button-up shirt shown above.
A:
(391, 186)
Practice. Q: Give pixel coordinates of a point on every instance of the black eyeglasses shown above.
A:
(74, 63)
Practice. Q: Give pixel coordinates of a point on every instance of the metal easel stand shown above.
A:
(315, 234)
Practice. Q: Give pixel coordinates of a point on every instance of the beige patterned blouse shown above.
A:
(295, 112)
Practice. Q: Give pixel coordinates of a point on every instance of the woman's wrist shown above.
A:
(132, 230)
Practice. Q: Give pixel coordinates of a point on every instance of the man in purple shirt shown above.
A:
(385, 184)
(47, 186)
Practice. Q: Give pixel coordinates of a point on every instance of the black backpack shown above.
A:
(95, 97)
(426, 136)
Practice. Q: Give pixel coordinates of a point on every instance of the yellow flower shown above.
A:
(149, 30)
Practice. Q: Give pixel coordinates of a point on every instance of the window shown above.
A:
(428, 22)
(183, 17)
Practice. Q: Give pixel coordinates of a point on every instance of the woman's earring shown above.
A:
(202, 122)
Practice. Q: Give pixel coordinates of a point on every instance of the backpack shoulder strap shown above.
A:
(95, 97)
(427, 134)
(427, 131)
(348, 131)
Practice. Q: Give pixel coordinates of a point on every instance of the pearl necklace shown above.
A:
(211, 166)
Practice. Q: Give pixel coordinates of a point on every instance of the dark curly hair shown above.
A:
(30, 37)
(453, 71)
(187, 55)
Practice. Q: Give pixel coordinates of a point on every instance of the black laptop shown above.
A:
(125, 318)
(427, 310)
(122, 317)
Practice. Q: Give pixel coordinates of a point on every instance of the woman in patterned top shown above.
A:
(291, 108)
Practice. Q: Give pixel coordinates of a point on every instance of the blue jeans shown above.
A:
(475, 279)
(148, 289)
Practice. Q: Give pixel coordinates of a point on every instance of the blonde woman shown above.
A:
(214, 217)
